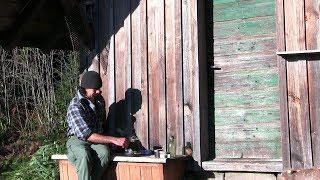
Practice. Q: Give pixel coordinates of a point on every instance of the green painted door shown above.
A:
(244, 120)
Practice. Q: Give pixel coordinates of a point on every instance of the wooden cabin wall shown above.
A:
(151, 48)
(298, 37)
(246, 120)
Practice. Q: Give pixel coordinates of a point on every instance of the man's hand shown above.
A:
(119, 141)
(122, 142)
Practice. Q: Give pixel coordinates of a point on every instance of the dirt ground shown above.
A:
(19, 148)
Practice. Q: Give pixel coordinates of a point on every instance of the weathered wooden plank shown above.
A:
(246, 88)
(284, 120)
(314, 100)
(253, 98)
(247, 131)
(247, 80)
(248, 27)
(274, 165)
(302, 52)
(139, 68)
(243, 10)
(122, 64)
(246, 149)
(234, 63)
(306, 174)
(248, 115)
(156, 73)
(312, 24)
(248, 45)
(108, 88)
(312, 43)
(294, 25)
(220, 2)
(103, 46)
(300, 140)
(191, 76)
(174, 72)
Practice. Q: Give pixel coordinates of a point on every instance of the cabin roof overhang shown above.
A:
(44, 24)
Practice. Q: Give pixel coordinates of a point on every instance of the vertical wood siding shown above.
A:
(313, 69)
(156, 72)
(154, 52)
(286, 160)
(139, 66)
(174, 71)
(299, 25)
(246, 94)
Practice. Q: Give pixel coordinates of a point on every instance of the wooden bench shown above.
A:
(133, 168)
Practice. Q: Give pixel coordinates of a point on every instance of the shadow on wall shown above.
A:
(108, 19)
(121, 117)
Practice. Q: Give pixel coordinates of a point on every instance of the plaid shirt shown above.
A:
(84, 117)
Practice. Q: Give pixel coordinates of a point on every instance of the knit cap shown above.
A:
(91, 80)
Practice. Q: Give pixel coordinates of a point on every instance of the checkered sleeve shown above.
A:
(76, 121)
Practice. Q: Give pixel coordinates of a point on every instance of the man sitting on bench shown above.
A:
(87, 145)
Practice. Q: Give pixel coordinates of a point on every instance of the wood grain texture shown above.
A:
(108, 79)
(135, 172)
(156, 73)
(140, 68)
(301, 174)
(63, 170)
(314, 100)
(246, 9)
(242, 46)
(312, 43)
(256, 61)
(246, 88)
(249, 27)
(124, 172)
(146, 173)
(191, 76)
(284, 119)
(253, 165)
(294, 25)
(122, 24)
(298, 104)
(312, 24)
(174, 73)
(249, 115)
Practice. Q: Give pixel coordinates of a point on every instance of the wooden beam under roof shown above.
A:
(77, 21)
(17, 29)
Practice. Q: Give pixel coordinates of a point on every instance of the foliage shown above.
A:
(66, 88)
(40, 166)
(35, 89)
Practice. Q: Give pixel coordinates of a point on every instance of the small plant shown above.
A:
(40, 166)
